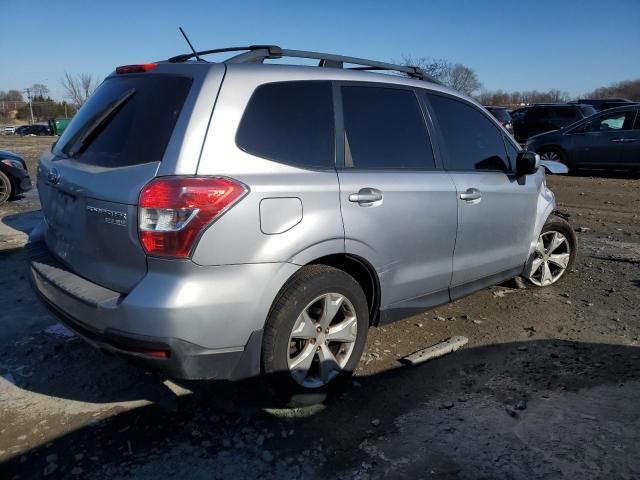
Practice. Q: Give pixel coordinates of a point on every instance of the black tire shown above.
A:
(308, 284)
(560, 225)
(561, 156)
(6, 188)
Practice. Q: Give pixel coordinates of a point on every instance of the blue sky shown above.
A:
(574, 46)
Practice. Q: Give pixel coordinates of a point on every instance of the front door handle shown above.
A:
(471, 194)
(617, 140)
(366, 196)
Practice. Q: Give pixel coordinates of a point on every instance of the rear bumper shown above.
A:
(162, 324)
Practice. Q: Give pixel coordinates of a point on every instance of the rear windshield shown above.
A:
(501, 114)
(127, 121)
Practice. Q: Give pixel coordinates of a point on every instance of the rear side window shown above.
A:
(127, 121)
(539, 113)
(567, 113)
(384, 129)
(291, 123)
(472, 141)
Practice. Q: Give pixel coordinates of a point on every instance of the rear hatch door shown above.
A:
(90, 182)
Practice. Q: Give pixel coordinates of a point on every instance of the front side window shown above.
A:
(472, 141)
(291, 123)
(384, 129)
(611, 122)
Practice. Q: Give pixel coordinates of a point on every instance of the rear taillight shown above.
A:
(174, 210)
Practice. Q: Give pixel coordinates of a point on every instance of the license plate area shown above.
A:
(65, 213)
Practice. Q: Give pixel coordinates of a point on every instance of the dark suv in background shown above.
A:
(540, 118)
(605, 103)
(503, 116)
(39, 130)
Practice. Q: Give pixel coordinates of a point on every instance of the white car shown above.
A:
(9, 130)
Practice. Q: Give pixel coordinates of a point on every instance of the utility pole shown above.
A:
(28, 90)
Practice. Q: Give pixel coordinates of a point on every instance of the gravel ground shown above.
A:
(547, 386)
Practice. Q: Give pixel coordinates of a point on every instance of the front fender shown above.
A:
(546, 206)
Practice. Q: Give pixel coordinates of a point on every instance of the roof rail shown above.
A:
(273, 52)
(259, 53)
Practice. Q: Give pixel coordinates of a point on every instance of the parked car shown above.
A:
(39, 130)
(261, 217)
(14, 177)
(539, 118)
(503, 116)
(9, 130)
(605, 103)
(610, 139)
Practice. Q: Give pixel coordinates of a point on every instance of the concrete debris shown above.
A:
(60, 330)
(450, 345)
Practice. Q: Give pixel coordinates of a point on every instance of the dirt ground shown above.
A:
(547, 386)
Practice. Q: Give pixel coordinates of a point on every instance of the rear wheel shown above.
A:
(554, 255)
(315, 335)
(5, 188)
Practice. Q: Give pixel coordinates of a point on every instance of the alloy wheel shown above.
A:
(5, 190)
(322, 340)
(552, 255)
(550, 155)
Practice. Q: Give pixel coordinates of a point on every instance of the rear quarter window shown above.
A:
(135, 132)
(290, 123)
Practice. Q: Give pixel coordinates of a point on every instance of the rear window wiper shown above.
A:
(99, 123)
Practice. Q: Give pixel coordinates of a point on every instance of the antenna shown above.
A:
(190, 46)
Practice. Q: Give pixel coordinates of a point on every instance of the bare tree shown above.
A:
(11, 96)
(626, 89)
(438, 68)
(462, 79)
(458, 77)
(40, 90)
(78, 88)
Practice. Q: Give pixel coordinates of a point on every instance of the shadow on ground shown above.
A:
(222, 430)
(620, 174)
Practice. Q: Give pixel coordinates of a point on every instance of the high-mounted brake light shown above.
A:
(174, 210)
(141, 68)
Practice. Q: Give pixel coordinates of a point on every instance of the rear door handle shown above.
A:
(471, 194)
(617, 140)
(366, 196)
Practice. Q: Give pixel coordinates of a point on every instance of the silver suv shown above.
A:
(230, 219)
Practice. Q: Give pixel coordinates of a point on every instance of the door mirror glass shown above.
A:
(527, 163)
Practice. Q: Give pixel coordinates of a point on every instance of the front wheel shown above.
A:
(553, 154)
(5, 188)
(554, 255)
(315, 335)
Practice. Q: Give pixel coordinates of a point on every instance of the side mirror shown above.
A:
(527, 163)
